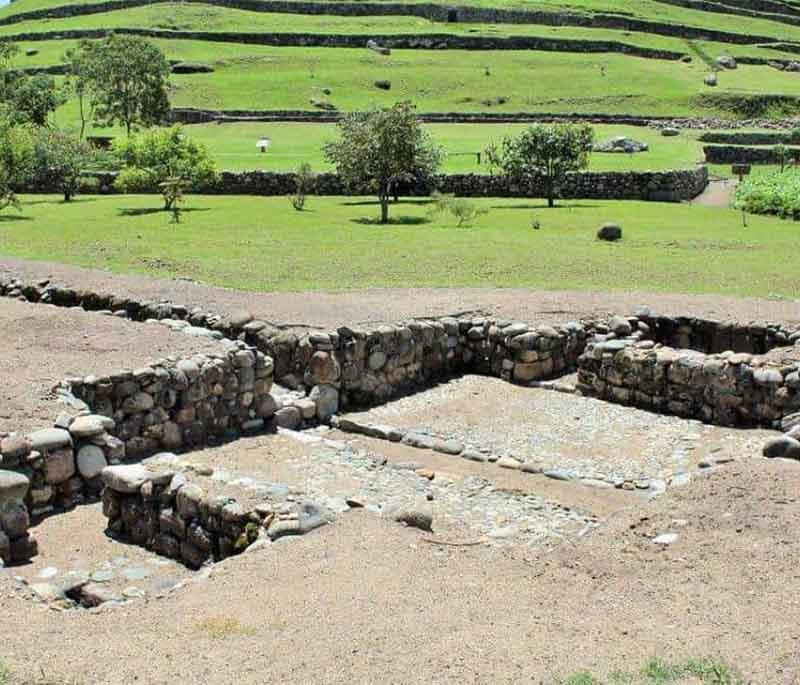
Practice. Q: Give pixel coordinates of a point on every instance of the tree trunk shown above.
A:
(67, 196)
(384, 209)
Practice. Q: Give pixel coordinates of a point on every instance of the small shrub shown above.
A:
(535, 223)
(172, 192)
(773, 192)
(463, 210)
(305, 179)
(220, 627)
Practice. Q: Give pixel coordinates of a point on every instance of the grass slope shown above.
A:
(263, 244)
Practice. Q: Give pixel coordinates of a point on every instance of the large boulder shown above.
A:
(621, 144)
(610, 232)
(726, 62)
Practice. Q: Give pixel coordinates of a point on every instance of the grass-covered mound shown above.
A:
(775, 192)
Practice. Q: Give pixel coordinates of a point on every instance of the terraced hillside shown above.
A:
(647, 57)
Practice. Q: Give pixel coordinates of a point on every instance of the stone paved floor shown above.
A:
(580, 437)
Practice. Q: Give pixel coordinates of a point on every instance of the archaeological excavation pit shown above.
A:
(227, 434)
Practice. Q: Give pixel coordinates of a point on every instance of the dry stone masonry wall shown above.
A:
(715, 371)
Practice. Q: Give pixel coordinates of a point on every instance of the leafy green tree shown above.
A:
(127, 77)
(59, 159)
(28, 98)
(381, 149)
(550, 151)
(16, 159)
(80, 79)
(154, 157)
(35, 97)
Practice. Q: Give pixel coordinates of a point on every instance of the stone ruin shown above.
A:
(118, 443)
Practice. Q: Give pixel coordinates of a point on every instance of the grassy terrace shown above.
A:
(651, 10)
(255, 77)
(263, 244)
(234, 146)
(202, 17)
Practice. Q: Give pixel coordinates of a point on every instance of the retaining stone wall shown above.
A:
(441, 41)
(748, 138)
(672, 186)
(664, 186)
(735, 154)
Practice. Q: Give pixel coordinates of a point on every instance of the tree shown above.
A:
(550, 151)
(154, 157)
(33, 98)
(381, 149)
(59, 159)
(127, 77)
(29, 98)
(80, 77)
(16, 159)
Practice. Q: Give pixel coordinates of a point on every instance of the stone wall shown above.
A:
(183, 403)
(192, 115)
(188, 517)
(729, 389)
(438, 41)
(663, 186)
(749, 138)
(673, 186)
(726, 373)
(737, 154)
(355, 368)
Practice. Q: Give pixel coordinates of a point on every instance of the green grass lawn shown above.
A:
(233, 146)
(256, 243)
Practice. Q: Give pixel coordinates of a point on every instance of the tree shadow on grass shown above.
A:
(374, 203)
(146, 211)
(393, 221)
(543, 205)
(14, 217)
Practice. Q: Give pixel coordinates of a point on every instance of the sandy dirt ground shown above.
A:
(42, 345)
(366, 601)
(329, 309)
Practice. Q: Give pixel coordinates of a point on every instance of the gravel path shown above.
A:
(717, 194)
(329, 309)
